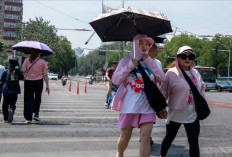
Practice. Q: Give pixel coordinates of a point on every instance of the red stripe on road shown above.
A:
(220, 104)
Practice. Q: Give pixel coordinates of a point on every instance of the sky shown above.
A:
(199, 17)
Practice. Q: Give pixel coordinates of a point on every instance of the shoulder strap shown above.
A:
(8, 74)
(192, 86)
(26, 72)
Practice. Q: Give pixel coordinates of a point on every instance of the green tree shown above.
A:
(220, 59)
(64, 59)
(169, 53)
(41, 30)
(3, 55)
(88, 64)
(38, 30)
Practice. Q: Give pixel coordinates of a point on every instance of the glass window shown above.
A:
(9, 25)
(12, 16)
(9, 34)
(13, 8)
(17, 1)
(10, 42)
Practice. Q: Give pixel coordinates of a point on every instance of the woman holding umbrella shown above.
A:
(130, 100)
(35, 70)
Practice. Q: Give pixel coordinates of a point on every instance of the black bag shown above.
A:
(154, 96)
(201, 104)
(12, 80)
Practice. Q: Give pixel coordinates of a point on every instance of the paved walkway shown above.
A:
(78, 126)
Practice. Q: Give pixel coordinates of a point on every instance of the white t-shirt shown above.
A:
(135, 100)
(186, 116)
(158, 63)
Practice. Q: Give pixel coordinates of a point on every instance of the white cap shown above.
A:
(183, 49)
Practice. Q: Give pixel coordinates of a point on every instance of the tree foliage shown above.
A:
(204, 48)
(40, 30)
(64, 59)
(3, 55)
(88, 64)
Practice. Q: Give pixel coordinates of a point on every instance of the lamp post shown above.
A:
(228, 59)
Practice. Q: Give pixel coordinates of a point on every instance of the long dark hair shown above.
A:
(34, 54)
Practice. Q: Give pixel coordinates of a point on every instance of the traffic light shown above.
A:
(216, 49)
(1, 46)
(103, 53)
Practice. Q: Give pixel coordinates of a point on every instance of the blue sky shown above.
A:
(200, 17)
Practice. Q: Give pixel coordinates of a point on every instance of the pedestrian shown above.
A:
(130, 99)
(181, 106)
(153, 53)
(10, 89)
(35, 70)
(2, 69)
(63, 80)
(109, 74)
(103, 79)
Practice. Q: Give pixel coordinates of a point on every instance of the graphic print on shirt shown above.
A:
(190, 99)
(137, 84)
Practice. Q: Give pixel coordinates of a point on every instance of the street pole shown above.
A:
(122, 46)
(102, 6)
(229, 66)
(229, 51)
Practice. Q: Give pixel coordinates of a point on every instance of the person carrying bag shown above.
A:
(201, 104)
(184, 89)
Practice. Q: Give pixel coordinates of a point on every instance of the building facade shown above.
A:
(11, 12)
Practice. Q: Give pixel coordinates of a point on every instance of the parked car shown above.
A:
(224, 86)
(88, 77)
(52, 76)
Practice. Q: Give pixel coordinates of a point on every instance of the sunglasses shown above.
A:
(184, 56)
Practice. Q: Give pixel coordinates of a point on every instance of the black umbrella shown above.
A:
(124, 24)
(154, 96)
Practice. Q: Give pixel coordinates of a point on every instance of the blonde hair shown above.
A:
(171, 65)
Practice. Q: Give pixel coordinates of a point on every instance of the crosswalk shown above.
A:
(78, 126)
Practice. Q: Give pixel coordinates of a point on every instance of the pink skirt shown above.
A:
(135, 119)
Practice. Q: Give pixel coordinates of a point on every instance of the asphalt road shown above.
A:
(78, 126)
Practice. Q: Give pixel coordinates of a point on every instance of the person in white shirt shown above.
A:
(153, 53)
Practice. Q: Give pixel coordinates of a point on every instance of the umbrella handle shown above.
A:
(89, 38)
(134, 46)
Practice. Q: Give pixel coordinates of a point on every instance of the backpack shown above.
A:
(12, 80)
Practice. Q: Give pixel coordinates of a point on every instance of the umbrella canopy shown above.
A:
(125, 23)
(26, 46)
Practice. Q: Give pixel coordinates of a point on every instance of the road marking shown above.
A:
(220, 104)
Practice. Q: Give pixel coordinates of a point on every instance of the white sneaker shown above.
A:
(106, 104)
(28, 122)
(107, 107)
(36, 118)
